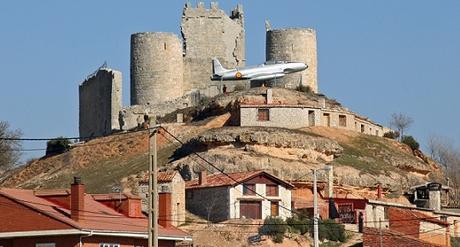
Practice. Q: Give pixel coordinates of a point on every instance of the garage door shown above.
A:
(251, 209)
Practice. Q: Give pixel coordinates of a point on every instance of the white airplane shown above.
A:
(266, 71)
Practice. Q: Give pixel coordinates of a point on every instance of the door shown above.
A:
(311, 118)
(251, 209)
(274, 209)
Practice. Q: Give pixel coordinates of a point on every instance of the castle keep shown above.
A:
(170, 73)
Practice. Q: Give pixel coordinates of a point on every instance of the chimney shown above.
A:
(434, 196)
(269, 96)
(202, 177)
(164, 206)
(77, 199)
(379, 191)
(322, 101)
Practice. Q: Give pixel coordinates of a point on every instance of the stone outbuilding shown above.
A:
(277, 109)
(253, 194)
(168, 182)
(430, 195)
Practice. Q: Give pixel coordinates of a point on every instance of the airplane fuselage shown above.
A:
(261, 72)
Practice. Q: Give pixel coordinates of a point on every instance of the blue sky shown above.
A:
(376, 57)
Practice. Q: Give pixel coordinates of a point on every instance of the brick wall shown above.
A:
(371, 238)
(73, 241)
(16, 217)
(402, 221)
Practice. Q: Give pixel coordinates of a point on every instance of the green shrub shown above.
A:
(299, 224)
(411, 142)
(391, 134)
(331, 230)
(455, 241)
(303, 88)
(57, 146)
(275, 227)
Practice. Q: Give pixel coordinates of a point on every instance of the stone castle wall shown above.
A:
(156, 68)
(209, 33)
(100, 103)
(294, 45)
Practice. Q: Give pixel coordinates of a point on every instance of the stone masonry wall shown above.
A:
(100, 103)
(294, 45)
(209, 33)
(301, 117)
(156, 68)
(212, 202)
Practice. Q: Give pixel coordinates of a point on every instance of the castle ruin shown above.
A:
(169, 73)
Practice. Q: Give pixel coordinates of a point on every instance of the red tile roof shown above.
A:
(220, 179)
(96, 217)
(426, 217)
(163, 177)
(113, 196)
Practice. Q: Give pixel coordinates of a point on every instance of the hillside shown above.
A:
(290, 154)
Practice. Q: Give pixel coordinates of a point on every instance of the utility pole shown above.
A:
(153, 189)
(315, 211)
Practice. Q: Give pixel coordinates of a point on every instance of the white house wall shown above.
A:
(284, 201)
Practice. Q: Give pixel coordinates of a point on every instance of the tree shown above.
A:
(401, 122)
(9, 149)
(444, 152)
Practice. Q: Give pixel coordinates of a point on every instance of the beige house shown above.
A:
(253, 194)
(172, 182)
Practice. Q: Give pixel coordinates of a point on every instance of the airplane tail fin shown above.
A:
(217, 68)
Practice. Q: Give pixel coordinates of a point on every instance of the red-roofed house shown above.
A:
(74, 218)
(254, 194)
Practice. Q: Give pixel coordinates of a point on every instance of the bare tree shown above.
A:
(445, 153)
(401, 122)
(9, 149)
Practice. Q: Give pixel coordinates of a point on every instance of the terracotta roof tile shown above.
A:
(217, 180)
(96, 216)
(163, 177)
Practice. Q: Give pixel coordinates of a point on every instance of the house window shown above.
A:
(45, 245)
(272, 190)
(385, 213)
(263, 114)
(342, 121)
(274, 208)
(362, 128)
(108, 245)
(249, 189)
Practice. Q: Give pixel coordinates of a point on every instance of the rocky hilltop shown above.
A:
(358, 159)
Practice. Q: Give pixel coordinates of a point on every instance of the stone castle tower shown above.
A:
(168, 73)
(209, 33)
(295, 45)
(164, 68)
(156, 68)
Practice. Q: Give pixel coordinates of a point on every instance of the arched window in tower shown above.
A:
(164, 45)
